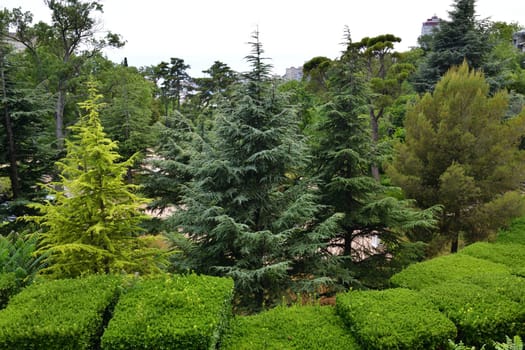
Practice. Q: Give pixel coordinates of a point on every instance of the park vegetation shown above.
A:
(239, 189)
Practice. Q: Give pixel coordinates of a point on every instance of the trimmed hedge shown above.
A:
(515, 234)
(513, 287)
(286, 328)
(480, 314)
(8, 287)
(511, 255)
(394, 319)
(61, 314)
(171, 312)
(453, 267)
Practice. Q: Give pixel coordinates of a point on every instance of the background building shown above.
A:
(293, 73)
(518, 40)
(430, 25)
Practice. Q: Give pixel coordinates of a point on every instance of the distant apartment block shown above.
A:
(430, 25)
(518, 40)
(293, 73)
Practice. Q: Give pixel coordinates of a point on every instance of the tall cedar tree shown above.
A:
(247, 212)
(462, 38)
(24, 145)
(343, 164)
(91, 224)
(460, 152)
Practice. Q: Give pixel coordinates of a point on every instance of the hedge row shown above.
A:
(296, 327)
(480, 314)
(511, 255)
(61, 314)
(455, 267)
(394, 319)
(171, 312)
(8, 287)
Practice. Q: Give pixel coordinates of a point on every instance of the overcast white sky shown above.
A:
(292, 31)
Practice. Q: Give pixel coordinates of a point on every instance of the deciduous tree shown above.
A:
(68, 41)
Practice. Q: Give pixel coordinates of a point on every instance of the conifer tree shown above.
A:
(464, 37)
(90, 226)
(25, 150)
(460, 152)
(167, 171)
(249, 214)
(343, 159)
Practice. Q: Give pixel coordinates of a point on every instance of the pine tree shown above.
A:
(249, 213)
(91, 224)
(460, 152)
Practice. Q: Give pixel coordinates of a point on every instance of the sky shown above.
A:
(291, 31)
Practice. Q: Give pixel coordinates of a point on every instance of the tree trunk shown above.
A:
(374, 123)
(454, 244)
(348, 244)
(11, 149)
(59, 114)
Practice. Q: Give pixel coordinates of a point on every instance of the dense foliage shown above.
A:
(17, 257)
(464, 37)
(287, 187)
(509, 255)
(8, 287)
(296, 327)
(62, 314)
(444, 268)
(248, 211)
(394, 319)
(90, 225)
(171, 312)
(480, 314)
(460, 151)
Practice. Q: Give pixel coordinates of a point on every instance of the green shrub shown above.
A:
(61, 314)
(442, 269)
(8, 287)
(171, 312)
(514, 234)
(511, 344)
(480, 314)
(17, 255)
(511, 255)
(394, 319)
(296, 327)
(513, 287)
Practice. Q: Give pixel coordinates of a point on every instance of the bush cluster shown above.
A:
(480, 314)
(61, 314)
(286, 328)
(171, 312)
(511, 255)
(8, 287)
(454, 267)
(394, 319)
(514, 234)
